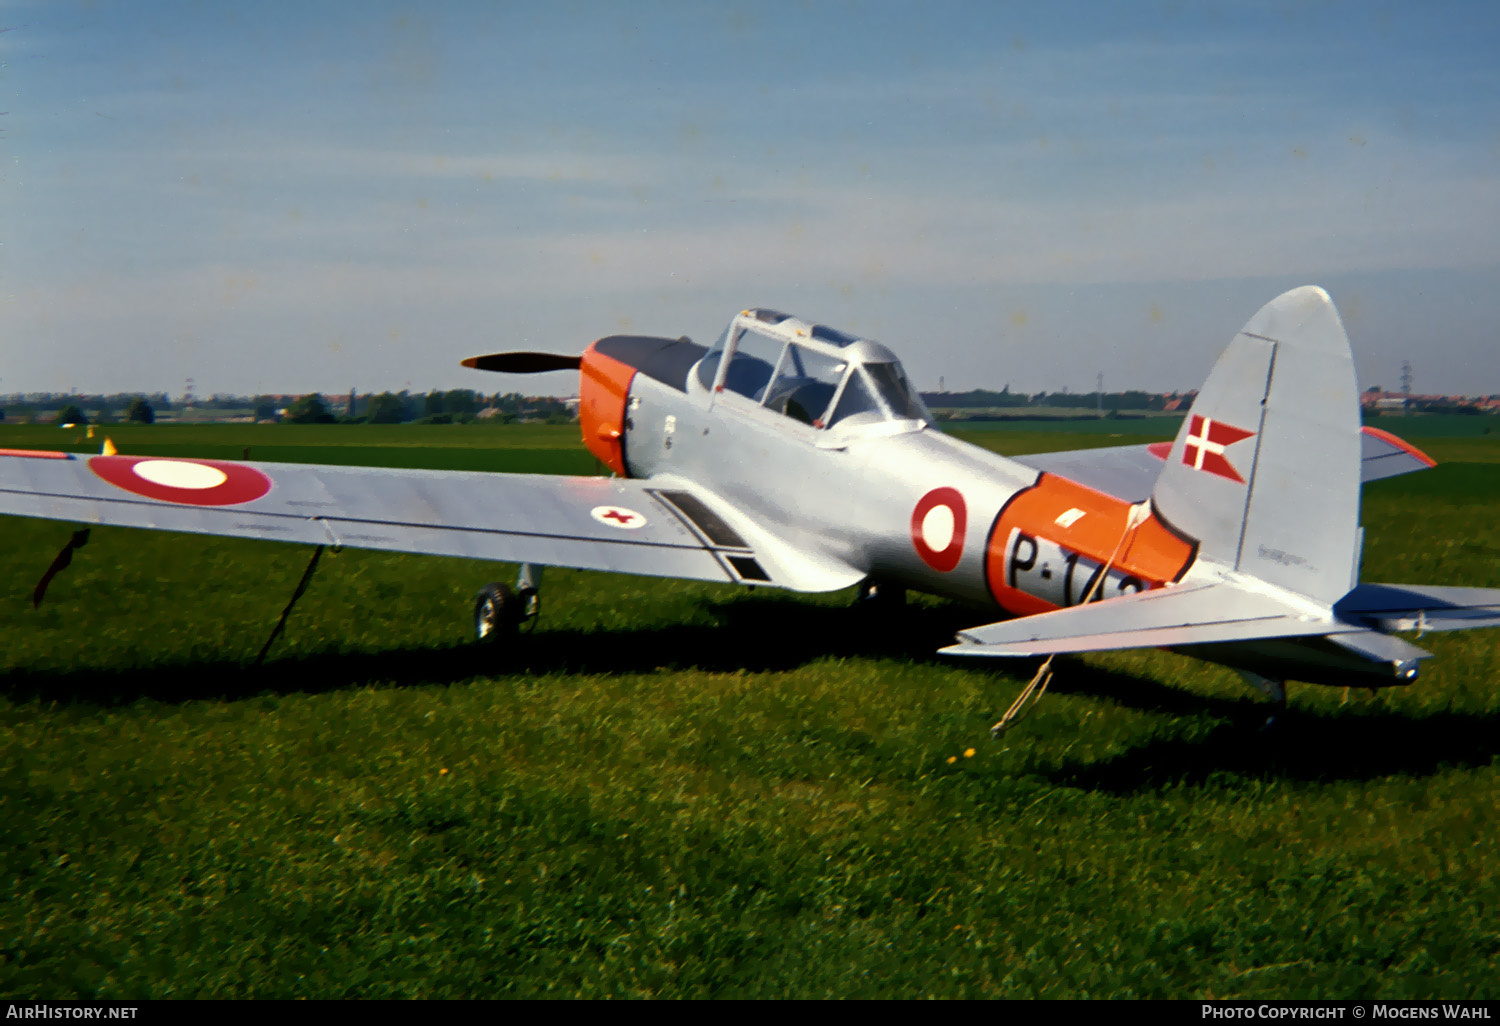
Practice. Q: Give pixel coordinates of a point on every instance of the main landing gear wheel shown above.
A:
(498, 613)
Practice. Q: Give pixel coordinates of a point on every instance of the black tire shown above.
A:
(497, 614)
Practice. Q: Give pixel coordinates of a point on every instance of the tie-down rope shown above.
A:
(1033, 692)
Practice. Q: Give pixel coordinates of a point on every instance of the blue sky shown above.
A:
(317, 196)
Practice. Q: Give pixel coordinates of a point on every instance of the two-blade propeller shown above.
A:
(523, 363)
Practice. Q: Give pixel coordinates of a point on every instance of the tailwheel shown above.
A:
(1275, 690)
(498, 613)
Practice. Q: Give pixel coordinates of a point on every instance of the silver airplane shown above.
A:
(792, 455)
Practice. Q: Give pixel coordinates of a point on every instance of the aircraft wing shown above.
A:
(656, 528)
(1186, 615)
(1129, 471)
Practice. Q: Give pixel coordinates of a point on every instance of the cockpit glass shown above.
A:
(823, 333)
(708, 367)
(812, 380)
(805, 383)
(856, 399)
(895, 391)
(755, 357)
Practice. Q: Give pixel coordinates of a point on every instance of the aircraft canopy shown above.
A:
(812, 373)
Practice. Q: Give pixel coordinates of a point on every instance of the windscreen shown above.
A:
(895, 391)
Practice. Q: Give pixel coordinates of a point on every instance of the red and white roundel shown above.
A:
(192, 482)
(618, 516)
(937, 528)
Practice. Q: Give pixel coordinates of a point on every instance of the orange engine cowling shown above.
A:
(604, 384)
(1052, 540)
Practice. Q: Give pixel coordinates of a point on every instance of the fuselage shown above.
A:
(827, 471)
(889, 498)
(822, 452)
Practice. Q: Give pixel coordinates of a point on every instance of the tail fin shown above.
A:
(1265, 471)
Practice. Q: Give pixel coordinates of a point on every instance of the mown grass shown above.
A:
(673, 789)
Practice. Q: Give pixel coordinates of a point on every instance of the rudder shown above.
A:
(1265, 470)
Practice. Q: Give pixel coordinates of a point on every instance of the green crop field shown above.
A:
(683, 790)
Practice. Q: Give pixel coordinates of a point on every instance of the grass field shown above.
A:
(675, 789)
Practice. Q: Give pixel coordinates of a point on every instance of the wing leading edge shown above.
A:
(592, 523)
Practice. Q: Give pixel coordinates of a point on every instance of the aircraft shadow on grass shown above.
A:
(1302, 746)
(755, 634)
(768, 634)
(1360, 742)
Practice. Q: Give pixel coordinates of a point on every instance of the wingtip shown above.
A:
(966, 647)
(1400, 443)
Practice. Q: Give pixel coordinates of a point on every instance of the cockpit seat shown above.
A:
(803, 399)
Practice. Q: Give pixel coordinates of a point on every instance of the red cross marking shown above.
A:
(619, 517)
(1206, 441)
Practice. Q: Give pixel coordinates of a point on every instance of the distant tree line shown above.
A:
(458, 405)
(1428, 406)
(68, 408)
(455, 406)
(138, 411)
(980, 398)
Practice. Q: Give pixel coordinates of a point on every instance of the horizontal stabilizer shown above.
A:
(1380, 648)
(1187, 615)
(1382, 454)
(1129, 472)
(1410, 607)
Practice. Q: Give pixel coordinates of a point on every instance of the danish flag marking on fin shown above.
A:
(1206, 441)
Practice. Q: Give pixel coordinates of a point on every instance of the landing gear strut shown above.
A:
(499, 610)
